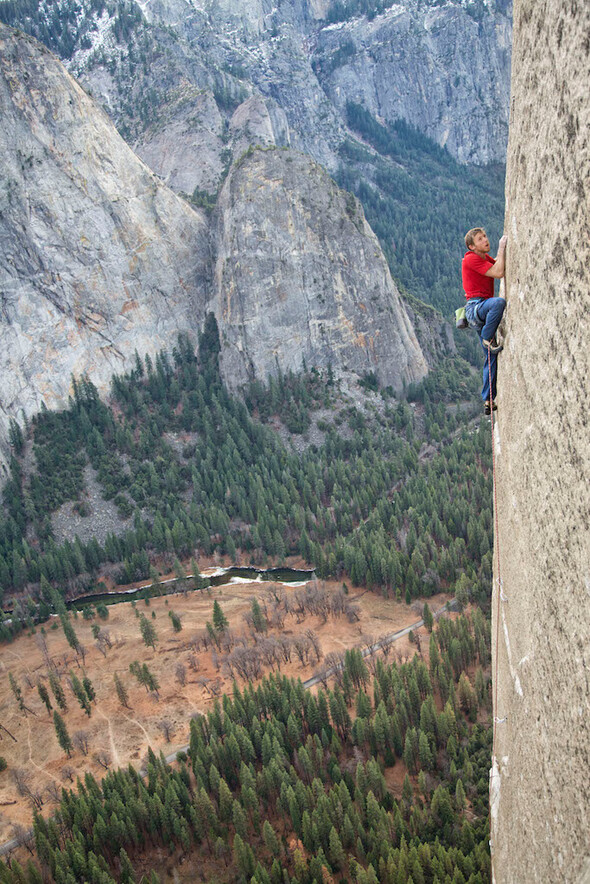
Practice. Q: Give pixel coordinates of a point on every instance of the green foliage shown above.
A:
(220, 621)
(420, 202)
(121, 690)
(333, 505)
(148, 631)
(61, 732)
(264, 757)
(176, 624)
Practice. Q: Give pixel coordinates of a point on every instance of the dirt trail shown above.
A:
(114, 753)
(140, 726)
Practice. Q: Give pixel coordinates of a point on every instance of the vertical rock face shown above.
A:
(300, 276)
(541, 785)
(97, 258)
(420, 64)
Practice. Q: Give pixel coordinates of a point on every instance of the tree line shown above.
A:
(282, 786)
(367, 503)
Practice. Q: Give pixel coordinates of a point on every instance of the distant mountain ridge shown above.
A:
(191, 86)
(99, 258)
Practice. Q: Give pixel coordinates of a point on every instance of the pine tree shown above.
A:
(61, 731)
(220, 621)
(44, 695)
(148, 632)
(258, 618)
(16, 690)
(121, 692)
(69, 631)
(80, 694)
(428, 617)
(176, 624)
(90, 693)
(58, 691)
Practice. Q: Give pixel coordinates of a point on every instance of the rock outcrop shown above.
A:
(443, 67)
(99, 258)
(300, 277)
(540, 787)
(420, 65)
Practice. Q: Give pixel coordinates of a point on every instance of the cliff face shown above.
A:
(98, 258)
(300, 276)
(541, 785)
(160, 67)
(420, 65)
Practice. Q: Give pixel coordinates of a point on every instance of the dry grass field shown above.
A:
(120, 735)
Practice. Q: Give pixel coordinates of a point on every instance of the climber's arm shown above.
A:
(498, 268)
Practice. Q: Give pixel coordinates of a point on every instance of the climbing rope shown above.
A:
(500, 594)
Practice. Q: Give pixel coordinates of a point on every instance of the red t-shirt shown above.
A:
(475, 281)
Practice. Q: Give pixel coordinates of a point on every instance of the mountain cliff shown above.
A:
(99, 258)
(540, 787)
(299, 275)
(442, 67)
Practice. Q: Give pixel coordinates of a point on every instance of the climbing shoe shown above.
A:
(487, 409)
(493, 346)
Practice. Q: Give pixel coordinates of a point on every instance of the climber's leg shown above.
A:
(490, 312)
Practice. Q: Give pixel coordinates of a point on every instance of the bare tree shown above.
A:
(103, 758)
(53, 791)
(22, 781)
(302, 646)
(315, 643)
(322, 673)
(180, 674)
(267, 647)
(193, 662)
(386, 643)
(24, 837)
(104, 641)
(285, 646)
(80, 741)
(247, 662)
(353, 612)
(167, 728)
(68, 772)
(41, 641)
(334, 661)
(227, 640)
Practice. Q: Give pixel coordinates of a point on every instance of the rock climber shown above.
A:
(483, 310)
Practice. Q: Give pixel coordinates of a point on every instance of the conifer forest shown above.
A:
(282, 783)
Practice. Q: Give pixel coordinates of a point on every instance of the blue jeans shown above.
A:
(485, 315)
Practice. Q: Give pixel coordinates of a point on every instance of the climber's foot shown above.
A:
(493, 346)
(487, 409)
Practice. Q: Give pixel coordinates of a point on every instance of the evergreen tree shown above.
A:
(61, 731)
(220, 621)
(69, 631)
(121, 691)
(58, 691)
(427, 616)
(44, 696)
(148, 632)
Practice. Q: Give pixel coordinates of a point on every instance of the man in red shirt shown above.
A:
(484, 311)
